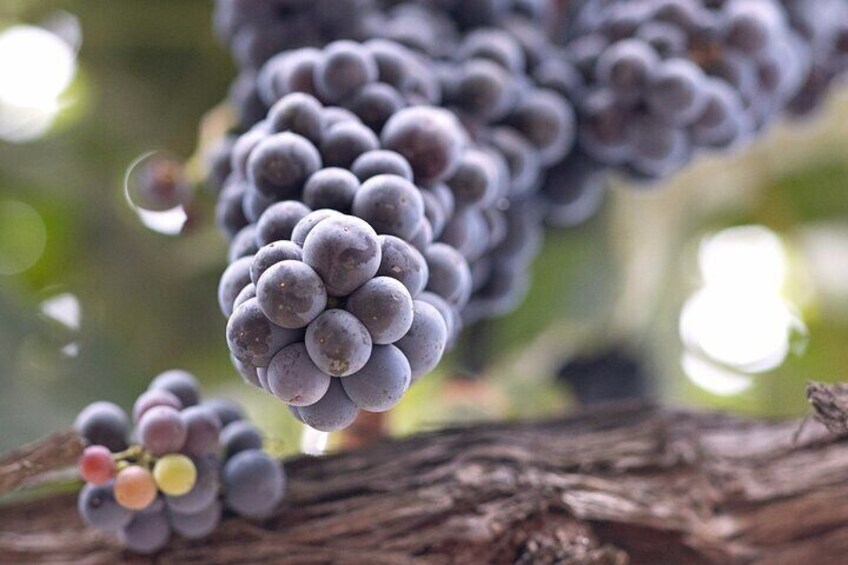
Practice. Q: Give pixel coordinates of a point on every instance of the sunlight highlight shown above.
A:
(738, 323)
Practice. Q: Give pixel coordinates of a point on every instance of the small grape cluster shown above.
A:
(193, 459)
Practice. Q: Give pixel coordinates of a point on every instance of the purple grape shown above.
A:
(103, 423)
(234, 279)
(147, 533)
(180, 383)
(278, 221)
(291, 294)
(253, 338)
(303, 227)
(239, 436)
(203, 427)
(338, 343)
(161, 430)
(253, 484)
(425, 342)
(335, 411)
(384, 306)
(280, 164)
(332, 188)
(151, 398)
(381, 162)
(381, 383)
(294, 378)
(199, 524)
(272, 254)
(390, 204)
(344, 251)
(403, 262)
(99, 509)
(431, 139)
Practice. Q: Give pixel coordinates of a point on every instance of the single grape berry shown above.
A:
(174, 474)
(96, 465)
(97, 506)
(338, 343)
(135, 488)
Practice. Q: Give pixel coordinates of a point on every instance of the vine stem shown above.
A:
(23, 464)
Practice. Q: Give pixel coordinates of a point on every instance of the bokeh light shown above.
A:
(23, 237)
(738, 323)
(37, 67)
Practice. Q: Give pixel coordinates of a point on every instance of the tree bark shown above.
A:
(623, 484)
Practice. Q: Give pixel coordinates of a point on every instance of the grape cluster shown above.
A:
(192, 460)
(452, 132)
(660, 80)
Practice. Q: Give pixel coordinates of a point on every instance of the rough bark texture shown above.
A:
(627, 484)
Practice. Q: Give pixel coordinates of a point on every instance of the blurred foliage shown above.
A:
(150, 70)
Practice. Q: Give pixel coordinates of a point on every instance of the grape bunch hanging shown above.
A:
(396, 161)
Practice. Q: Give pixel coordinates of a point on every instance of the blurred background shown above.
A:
(725, 288)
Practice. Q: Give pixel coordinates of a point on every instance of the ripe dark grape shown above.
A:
(430, 139)
(381, 383)
(345, 68)
(338, 343)
(239, 436)
(332, 188)
(475, 179)
(384, 306)
(181, 384)
(449, 274)
(199, 524)
(291, 294)
(253, 483)
(234, 279)
(403, 262)
(381, 162)
(103, 423)
(676, 91)
(453, 323)
(278, 221)
(485, 90)
(335, 411)
(344, 251)
(227, 410)
(253, 338)
(295, 379)
(280, 164)
(203, 426)
(147, 533)
(243, 244)
(390, 204)
(272, 254)
(345, 142)
(303, 227)
(98, 507)
(375, 104)
(425, 342)
(298, 113)
(495, 45)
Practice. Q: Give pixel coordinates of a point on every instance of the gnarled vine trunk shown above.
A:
(625, 484)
